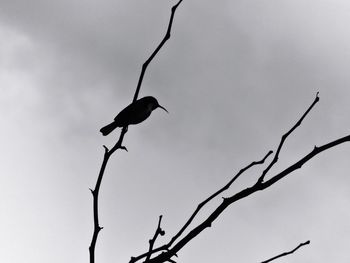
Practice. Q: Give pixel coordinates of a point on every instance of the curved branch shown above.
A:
(240, 195)
(166, 37)
(258, 186)
(287, 253)
(118, 145)
(199, 207)
(95, 192)
(284, 137)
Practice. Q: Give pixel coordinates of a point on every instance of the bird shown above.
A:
(134, 113)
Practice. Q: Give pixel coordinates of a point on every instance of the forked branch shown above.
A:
(168, 251)
(199, 207)
(202, 204)
(108, 153)
(159, 231)
(285, 136)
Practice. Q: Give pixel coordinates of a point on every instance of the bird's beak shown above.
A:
(163, 108)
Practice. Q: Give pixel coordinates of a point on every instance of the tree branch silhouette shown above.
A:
(165, 252)
(108, 152)
(287, 253)
(165, 39)
(202, 204)
(199, 207)
(159, 231)
(284, 137)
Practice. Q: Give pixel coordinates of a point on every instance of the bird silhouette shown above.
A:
(134, 113)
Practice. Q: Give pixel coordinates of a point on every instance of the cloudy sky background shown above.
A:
(234, 76)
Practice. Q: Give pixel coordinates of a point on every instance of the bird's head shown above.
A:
(153, 104)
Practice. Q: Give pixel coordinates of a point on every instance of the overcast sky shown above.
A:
(235, 76)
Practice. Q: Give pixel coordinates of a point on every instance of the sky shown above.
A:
(234, 76)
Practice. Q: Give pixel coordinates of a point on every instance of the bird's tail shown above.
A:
(108, 128)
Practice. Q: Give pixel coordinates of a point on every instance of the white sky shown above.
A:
(234, 76)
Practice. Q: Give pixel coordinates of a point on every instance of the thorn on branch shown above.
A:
(106, 149)
(123, 148)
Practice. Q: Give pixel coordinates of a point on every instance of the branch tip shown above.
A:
(108, 153)
(287, 253)
(124, 148)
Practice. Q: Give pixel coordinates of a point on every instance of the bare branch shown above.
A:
(301, 162)
(258, 186)
(199, 207)
(284, 137)
(166, 37)
(153, 251)
(242, 194)
(159, 231)
(95, 192)
(287, 253)
(118, 144)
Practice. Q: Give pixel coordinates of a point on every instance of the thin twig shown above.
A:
(95, 192)
(227, 186)
(240, 195)
(108, 153)
(166, 37)
(260, 180)
(284, 137)
(199, 207)
(260, 185)
(159, 231)
(287, 253)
